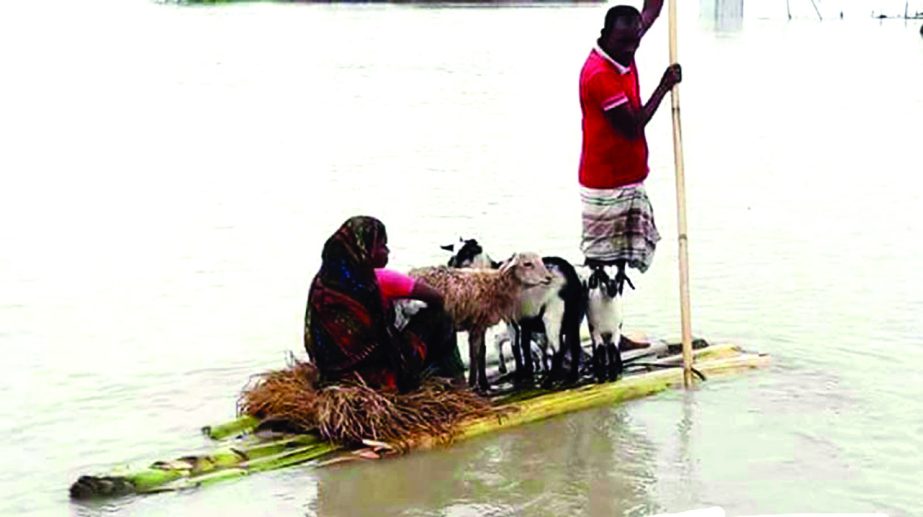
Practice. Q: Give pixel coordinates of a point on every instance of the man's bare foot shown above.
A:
(626, 344)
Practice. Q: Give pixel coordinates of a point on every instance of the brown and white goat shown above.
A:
(549, 314)
(478, 299)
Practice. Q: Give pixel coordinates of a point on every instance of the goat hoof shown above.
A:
(570, 380)
(615, 374)
(524, 384)
(523, 381)
(599, 373)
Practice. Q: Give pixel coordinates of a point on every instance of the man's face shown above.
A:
(624, 39)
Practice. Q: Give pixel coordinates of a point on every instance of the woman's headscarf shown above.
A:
(345, 320)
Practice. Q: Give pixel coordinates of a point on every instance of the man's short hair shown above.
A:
(616, 14)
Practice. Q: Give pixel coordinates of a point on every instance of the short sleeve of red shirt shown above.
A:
(393, 284)
(607, 90)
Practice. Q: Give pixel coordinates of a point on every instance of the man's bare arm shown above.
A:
(649, 13)
(631, 122)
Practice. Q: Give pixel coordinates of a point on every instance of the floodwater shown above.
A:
(170, 173)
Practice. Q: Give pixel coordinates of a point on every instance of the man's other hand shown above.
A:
(672, 76)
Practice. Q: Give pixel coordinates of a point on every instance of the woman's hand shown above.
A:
(426, 293)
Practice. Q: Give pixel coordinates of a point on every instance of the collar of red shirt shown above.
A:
(620, 68)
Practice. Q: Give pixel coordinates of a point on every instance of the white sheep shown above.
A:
(478, 299)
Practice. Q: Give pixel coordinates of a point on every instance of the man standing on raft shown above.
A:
(618, 220)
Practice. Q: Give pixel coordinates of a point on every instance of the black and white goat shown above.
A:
(554, 311)
(604, 316)
(468, 253)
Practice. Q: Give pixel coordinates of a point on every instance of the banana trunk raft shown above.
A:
(241, 451)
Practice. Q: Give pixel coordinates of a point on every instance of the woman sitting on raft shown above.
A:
(349, 325)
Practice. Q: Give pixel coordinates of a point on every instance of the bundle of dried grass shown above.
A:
(287, 395)
(351, 413)
(347, 413)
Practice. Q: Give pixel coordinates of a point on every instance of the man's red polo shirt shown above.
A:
(608, 159)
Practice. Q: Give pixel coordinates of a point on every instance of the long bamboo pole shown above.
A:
(685, 311)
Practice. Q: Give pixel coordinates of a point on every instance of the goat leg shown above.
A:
(557, 366)
(472, 359)
(615, 362)
(599, 362)
(500, 358)
(524, 339)
(553, 320)
(514, 345)
(599, 356)
(572, 342)
(483, 385)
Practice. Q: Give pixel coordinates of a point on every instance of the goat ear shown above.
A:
(506, 266)
(593, 282)
(448, 247)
